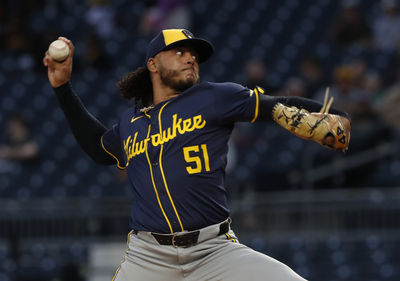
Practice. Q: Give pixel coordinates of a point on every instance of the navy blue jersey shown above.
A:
(175, 155)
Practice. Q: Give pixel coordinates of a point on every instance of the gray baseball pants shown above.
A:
(214, 257)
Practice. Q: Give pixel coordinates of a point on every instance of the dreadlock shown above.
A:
(137, 84)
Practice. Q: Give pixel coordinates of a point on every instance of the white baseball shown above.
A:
(58, 50)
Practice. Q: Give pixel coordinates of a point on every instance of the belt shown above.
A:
(188, 238)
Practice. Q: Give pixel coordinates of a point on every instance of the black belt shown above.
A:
(187, 239)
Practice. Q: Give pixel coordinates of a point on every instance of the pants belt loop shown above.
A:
(224, 227)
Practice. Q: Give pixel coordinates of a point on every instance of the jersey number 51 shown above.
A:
(194, 157)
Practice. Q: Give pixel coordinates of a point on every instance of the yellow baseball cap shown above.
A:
(168, 38)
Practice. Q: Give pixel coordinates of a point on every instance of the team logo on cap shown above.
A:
(187, 33)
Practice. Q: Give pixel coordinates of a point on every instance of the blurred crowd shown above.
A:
(365, 82)
(24, 31)
(358, 87)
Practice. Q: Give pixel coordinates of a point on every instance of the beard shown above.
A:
(168, 78)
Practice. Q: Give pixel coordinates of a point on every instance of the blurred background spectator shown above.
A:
(19, 146)
(388, 105)
(386, 27)
(294, 86)
(94, 53)
(313, 76)
(100, 17)
(351, 28)
(256, 75)
(347, 92)
(163, 14)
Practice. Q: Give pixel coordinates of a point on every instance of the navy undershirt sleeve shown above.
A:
(268, 102)
(86, 129)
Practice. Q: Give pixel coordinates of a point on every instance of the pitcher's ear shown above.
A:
(151, 65)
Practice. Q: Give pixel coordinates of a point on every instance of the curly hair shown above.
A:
(137, 84)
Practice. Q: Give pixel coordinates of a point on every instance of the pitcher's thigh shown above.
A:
(248, 264)
(131, 271)
(237, 262)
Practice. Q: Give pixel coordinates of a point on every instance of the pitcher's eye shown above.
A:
(179, 53)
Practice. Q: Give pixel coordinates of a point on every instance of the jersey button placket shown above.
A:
(154, 154)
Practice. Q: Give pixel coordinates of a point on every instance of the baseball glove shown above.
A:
(329, 130)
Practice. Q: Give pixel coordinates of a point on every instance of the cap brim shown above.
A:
(204, 48)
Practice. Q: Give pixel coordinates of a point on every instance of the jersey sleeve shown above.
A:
(238, 103)
(111, 143)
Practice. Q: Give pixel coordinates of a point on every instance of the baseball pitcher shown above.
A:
(173, 144)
